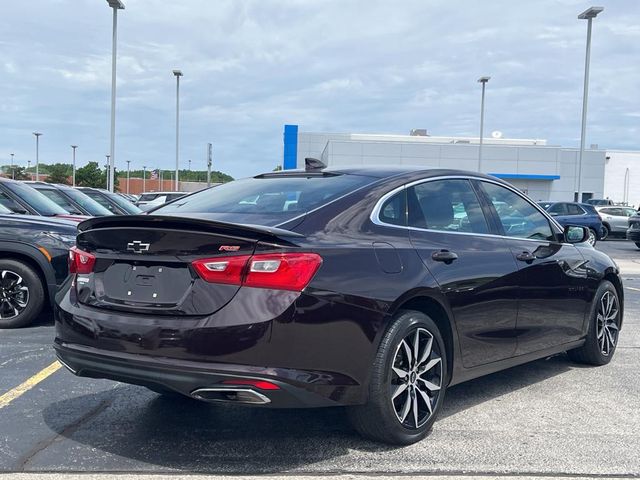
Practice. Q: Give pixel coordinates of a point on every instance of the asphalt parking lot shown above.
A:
(550, 418)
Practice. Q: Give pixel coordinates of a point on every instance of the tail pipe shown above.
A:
(242, 395)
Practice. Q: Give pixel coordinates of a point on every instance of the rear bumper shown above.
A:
(184, 377)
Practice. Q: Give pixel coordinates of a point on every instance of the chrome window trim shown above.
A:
(375, 213)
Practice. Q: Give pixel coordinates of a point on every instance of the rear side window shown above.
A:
(446, 205)
(574, 209)
(558, 209)
(394, 210)
(267, 200)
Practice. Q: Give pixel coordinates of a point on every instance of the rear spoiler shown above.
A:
(182, 223)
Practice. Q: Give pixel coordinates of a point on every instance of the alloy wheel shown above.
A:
(416, 379)
(14, 295)
(607, 323)
(591, 240)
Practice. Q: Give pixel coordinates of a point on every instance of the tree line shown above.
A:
(92, 175)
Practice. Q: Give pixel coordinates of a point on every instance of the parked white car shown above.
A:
(149, 200)
(615, 220)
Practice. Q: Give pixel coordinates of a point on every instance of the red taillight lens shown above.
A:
(80, 261)
(261, 384)
(229, 270)
(282, 271)
(285, 271)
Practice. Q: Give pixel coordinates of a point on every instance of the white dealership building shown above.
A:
(543, 171)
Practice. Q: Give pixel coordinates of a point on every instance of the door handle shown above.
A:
(444, 256)
(526, 257)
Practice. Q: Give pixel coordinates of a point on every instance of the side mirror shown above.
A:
(576, 234)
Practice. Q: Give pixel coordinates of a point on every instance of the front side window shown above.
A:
(519, 218)
(446, 205)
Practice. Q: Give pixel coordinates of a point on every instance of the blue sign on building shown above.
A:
(290, 147)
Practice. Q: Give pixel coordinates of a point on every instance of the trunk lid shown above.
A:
(143, 263)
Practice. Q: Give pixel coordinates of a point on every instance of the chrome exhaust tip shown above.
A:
(230, 395)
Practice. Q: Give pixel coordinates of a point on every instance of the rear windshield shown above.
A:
(123, 203)
(268, 200)
(35, 199)
(147, 197)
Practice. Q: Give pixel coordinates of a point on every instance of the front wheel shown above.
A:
(604, 328)
(605, 232)
(592, 239)
(408, 382)
(21, 294)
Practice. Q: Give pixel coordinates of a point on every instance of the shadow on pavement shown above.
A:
(184, 434)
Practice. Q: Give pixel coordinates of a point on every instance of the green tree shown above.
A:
(20, 173)
(91, 175)
(58, 173)
(278, 168)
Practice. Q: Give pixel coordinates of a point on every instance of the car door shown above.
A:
(552, 293)
(473, 267)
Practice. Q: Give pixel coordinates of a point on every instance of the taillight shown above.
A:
(228, 270)
(281, 271)
(80, 261)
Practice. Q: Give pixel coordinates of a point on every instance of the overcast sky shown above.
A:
(250, 66)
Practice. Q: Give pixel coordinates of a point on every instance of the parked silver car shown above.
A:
(615, 220)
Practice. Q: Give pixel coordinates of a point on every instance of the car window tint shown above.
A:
(447, 205)
(608, 211)
(574, 209)
(100, 199)
(10, 203)
(59, 199)
(394, 210)
(520, 218)
(628, 212)
(558, 209)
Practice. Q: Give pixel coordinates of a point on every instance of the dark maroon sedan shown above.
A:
(372, 288)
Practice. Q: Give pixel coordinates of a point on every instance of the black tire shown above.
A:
(605, 232)
(378, 419)
(593, 352)
(10, 271)
(638, 244)
(593, 236)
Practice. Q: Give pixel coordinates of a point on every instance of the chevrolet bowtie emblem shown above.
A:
(137, 246)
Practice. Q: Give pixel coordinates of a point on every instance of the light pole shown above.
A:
(189, 163)
(28, 167)
(13, 173)
(178, 74)
(73, 170)
(483, 81)
(37, 134)
(209, 160)
(588, 15)
(115, 5)
(108, 165)
(144, 178)
(128, 165)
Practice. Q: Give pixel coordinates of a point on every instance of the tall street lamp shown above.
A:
(189, 163)
(144, 178)
(13, 172)
(115, 5)
(178, 74)
(483, 81)
(589, 14)
(128, 168)
(73, 168)
(108, 172)
(37, 134)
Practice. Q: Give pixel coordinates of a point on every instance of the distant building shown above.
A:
(544, 172)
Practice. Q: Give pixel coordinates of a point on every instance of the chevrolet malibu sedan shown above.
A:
(370, 288)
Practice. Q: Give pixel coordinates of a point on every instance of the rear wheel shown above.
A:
(21, 294)
(407, 384)
(604, 326)
(592, 239)
(605, 232)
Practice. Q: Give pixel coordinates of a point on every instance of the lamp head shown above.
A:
(591, 12)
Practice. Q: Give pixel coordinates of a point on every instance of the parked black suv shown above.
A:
(33, 263)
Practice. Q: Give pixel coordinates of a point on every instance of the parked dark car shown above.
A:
(633, 232)
(372, 288)
(111, 201)
(600, 202)
(33, 264)
(572, 213)
(71, 199)
(21, 198)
